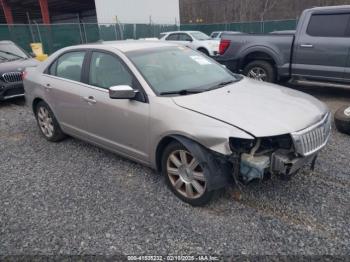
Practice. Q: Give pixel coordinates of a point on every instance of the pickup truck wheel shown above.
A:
(47, 123)
(204, 51)
(260, 70)
(184, 175)
(342, 119)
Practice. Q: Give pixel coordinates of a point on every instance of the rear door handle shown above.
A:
(90, 99)
(306, 45)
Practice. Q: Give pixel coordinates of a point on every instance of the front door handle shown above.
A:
(306, 45)
(90, 99)
(48, 87)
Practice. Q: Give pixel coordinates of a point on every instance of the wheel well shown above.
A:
(202, 48)
(257, 56)
(35, 102)
(160, 149)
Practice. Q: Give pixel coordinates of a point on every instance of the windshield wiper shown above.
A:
(182, 92)
(222, 84)
(9, 53)
(4, 58)
(196, 91)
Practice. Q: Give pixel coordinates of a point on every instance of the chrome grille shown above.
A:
(313, 138)
(11, 77)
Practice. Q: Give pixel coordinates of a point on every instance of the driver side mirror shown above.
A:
(122, 92)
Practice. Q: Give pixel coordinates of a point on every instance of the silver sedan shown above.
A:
(177, 111)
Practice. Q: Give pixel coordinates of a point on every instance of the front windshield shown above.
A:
(173, 69)
(200, 36)
(10, 51)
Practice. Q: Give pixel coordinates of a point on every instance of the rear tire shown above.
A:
(204, 51)
(342, 119)
(260, 70)
(184, 176)
(47, 123)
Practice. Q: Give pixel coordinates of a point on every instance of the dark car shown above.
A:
(13, 61)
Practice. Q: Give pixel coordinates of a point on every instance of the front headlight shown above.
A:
(266, 144)
(241, 145)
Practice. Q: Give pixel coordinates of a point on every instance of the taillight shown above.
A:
(24, 74)
(224, 44)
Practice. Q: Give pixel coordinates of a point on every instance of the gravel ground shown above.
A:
(74, 198)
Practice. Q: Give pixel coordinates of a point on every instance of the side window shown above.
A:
(68, 66)
(184, 37)
(52, 69)
(107, 70)
(172, 37)
(328, 25)
(214, 35)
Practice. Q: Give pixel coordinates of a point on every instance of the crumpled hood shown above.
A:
(261, 109)
(17, 65)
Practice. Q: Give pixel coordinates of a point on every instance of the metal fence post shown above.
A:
(30, 28)
(37, 28)
(80, 32)
(121, 30)
(84, 28)
(115, 32)
(134, 31)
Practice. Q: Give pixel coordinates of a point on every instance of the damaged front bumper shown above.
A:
(303, 150)
(287, 163)
(281, 162)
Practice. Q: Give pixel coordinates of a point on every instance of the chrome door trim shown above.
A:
(76, 82)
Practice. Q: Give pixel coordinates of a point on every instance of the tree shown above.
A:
(268, 5)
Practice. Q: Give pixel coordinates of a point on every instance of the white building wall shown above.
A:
(138, 11)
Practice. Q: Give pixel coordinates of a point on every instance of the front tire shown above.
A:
(47, 123)
(261, 71)
(184, 175)
(342, 119)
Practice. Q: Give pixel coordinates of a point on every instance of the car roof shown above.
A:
(171, 32)
(129, 45)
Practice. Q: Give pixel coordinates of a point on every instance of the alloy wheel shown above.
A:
(185, 174)
(45, 122)
(257, 73)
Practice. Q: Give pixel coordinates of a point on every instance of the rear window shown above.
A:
(328, 25)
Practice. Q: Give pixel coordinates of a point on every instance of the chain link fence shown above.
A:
(57, 36)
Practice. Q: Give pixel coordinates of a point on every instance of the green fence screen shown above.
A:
(57, 36)
(248, 27)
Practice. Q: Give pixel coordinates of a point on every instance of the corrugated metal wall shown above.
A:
(138, 11)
